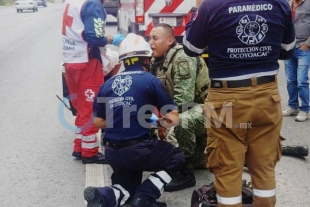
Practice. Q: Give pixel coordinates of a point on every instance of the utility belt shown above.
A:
(127, 143)
(243, 83)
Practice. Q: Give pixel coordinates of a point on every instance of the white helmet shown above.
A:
(134, 46)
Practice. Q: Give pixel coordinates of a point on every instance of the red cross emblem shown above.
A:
(67, 20)
(90, 94)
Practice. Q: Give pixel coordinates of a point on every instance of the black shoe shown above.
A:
(139, 202)
(78, 155)
(184, 179)
(298, 151)
(98, 159)
(93, 198)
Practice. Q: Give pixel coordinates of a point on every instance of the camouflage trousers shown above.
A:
(191, 136)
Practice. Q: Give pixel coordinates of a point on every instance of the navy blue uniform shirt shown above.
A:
(93, 9)
(126, 101)
(243, 37)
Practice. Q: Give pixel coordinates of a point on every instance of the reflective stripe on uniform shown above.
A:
(229, 200)
(264, 193)
(192, 47)
(90, 145)
(118, 189)
(89, 138)
(78, 136)
(288, 47)
(157, 182)
(164, 175)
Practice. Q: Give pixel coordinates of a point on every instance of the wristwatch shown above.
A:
(193, 9)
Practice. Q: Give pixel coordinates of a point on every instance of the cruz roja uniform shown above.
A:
(82, 34)
(125, 103)
(245, 39)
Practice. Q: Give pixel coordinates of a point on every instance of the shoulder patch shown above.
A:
(183, 70)
(99, 27)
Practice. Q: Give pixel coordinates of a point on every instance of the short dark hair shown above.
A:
(167, 28)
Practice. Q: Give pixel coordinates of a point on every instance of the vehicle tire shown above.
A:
(17, 10)
(34, 9)
(20, 10)
(37, 9)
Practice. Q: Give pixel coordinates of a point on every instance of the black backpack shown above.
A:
(206, 196)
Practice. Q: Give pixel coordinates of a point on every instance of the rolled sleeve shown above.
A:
(288, 41)
(195, 39)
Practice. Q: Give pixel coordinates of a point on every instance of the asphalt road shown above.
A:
(36, 166)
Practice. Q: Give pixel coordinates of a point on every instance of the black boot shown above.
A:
(298, 151)
(78, 155)
(93, 198)
(98, 159)
(139, 202)
(183, 179)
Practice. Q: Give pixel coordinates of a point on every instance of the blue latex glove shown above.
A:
(117, 39)
(153, 119)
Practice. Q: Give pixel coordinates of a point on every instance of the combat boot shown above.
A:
(98, 159)
(298, 151)
(139, 202)
(93, 198)
(183, 179)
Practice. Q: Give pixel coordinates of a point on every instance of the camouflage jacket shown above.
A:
(178, 73)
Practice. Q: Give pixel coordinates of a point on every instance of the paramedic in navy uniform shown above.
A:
(245, 39)
(123, 108)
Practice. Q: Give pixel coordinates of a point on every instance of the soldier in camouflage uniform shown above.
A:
(178, 73)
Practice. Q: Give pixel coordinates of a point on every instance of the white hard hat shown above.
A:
(134, 46)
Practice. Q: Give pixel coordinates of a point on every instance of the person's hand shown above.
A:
(110, 38)
(117, 39)
(154, 119)
(161, 133)
(304, 47)
(198, 3)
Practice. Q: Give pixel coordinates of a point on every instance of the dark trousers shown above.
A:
(153, 155)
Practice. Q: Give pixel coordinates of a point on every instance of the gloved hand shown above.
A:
(117, 39)
(153, 119)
